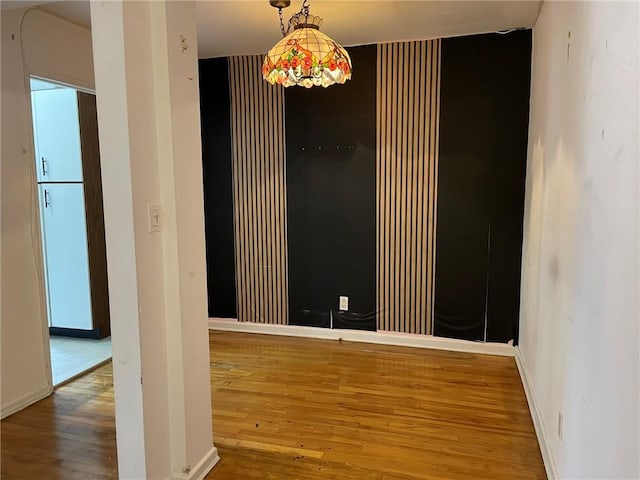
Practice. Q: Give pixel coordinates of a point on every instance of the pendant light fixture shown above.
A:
(305, 56)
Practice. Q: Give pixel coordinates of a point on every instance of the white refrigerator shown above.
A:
(62, 206)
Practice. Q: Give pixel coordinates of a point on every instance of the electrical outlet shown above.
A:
(560, 425)
(344, 303)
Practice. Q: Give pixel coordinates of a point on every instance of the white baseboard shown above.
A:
(380, 337)
(204, 466)
(538, 422)
(25, 401)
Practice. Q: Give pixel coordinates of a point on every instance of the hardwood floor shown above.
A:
(292, 408)
(68, 435)
(302, 408)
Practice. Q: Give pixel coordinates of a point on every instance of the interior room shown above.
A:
(320, 239)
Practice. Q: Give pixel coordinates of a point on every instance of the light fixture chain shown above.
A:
(284, 32)
(304, 12)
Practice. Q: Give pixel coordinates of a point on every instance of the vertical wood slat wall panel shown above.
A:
(407, 168)
(259, 193)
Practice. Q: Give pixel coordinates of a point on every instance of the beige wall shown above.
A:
(149, 127)
(58, 50)
(579, 323)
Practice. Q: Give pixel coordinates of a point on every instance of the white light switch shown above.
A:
(344, 303)
(154, 218)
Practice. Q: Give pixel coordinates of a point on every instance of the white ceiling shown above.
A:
(251, 26)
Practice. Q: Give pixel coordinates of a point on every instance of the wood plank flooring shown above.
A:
(68, 435)
(293, 408)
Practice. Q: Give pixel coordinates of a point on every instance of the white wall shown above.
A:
(579, 325)
(56, 49)
(149, 127)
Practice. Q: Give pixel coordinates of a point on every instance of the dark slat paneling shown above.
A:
(218, 186)
(331, 201)
(407, 157)
(259, 193)
(483, 142)
(511, 73)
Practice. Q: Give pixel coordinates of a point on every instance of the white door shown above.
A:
(57, 135)
(66, 257)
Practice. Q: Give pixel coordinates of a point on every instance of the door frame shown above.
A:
(35, 219)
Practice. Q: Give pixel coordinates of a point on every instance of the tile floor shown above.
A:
(73, 356)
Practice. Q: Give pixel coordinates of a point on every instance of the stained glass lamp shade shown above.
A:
(306, 57)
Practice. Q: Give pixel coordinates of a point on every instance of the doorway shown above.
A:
(67, 165)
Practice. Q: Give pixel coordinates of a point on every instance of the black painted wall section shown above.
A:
(218, 186)
(331, 198)
(484, 113)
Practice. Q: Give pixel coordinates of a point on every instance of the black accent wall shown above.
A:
(484, 102)
(218, 186)
(330, 184)
(331, 198)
